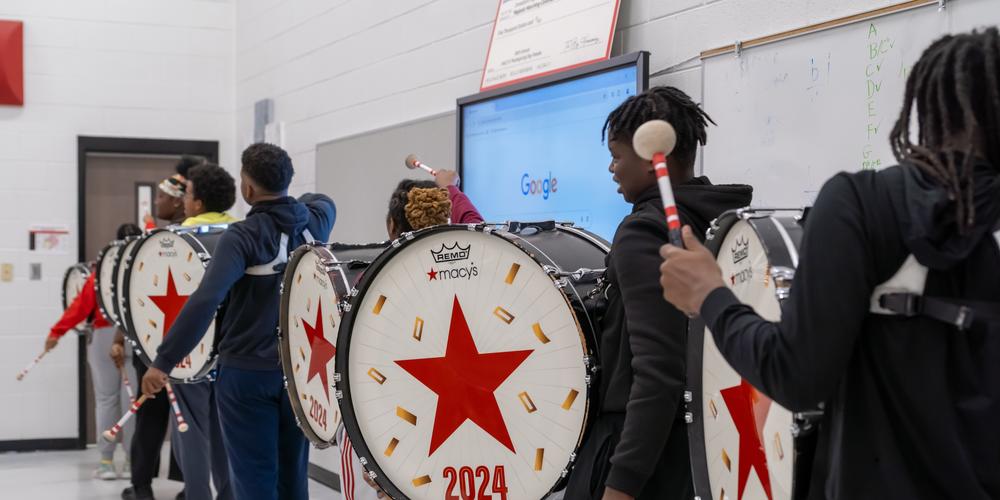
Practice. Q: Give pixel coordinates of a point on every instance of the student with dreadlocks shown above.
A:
(893, 321)
(637, 446)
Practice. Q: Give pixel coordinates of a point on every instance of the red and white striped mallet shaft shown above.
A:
(413, 163)
(128, 387)
(181, 424)
(115, 429)
(654, 141)
(20, 376)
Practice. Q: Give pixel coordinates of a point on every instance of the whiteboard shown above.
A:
(791, 114)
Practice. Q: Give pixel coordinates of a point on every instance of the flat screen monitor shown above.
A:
(534, 152)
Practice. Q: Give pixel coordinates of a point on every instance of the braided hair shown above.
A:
(955, 87)
(662, 103)
(398, 200)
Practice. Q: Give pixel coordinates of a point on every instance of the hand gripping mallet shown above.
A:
(115, 429)
(20, 376)
(413, 163)
(654, 141)
(182, 426)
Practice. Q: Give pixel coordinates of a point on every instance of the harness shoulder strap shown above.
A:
(909, 279)
(277, 265)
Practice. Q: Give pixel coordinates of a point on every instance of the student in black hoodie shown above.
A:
(910, 379)
(637, 446)
(267, 452)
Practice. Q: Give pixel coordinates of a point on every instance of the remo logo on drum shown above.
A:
(464, 387)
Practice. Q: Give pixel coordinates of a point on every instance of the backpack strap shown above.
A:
(277, 265)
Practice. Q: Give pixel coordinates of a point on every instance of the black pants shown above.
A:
(150, 430)
(671, 478)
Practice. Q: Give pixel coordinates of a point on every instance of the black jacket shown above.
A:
(912, 404)
(249, 337)
(643, 343)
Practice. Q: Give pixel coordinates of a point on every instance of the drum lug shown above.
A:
(688, 396)
(561, 282)
(344, 307)
(364, 461)
(688, 417)
(336, 377)
(783, 277)
(339, 395)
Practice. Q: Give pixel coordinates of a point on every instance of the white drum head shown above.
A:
(73, 282)
(313, 320)
(164, 272)
(466, 369)
(104, 280)
(738, 420)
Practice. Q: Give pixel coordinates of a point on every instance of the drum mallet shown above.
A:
(128, 387)
(413, 163)
(182, 426)
(115, 429)
(654, 141)
(20, 376)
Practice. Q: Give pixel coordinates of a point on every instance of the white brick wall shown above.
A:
(154, 68)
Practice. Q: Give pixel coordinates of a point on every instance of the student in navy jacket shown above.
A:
(267, 452)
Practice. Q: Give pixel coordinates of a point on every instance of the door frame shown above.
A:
(121, 145)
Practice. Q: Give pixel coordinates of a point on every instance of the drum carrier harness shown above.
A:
(903, 295)
(277, 265)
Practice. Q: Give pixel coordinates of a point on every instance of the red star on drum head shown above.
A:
(464, 380)
(322, 351)
(170, 304)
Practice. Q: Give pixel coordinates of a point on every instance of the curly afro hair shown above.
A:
(214, 186)
(269, 166)
(427, 207)
(187, 162)
(398, 200)
(128, 229)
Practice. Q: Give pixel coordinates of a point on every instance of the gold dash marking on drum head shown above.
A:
(418, 328)
(527, 402)
(299, 279)
(302, 352)
(767, 275)
(141, 265)
(333, 321)
(141, 303)
(297, 367)
(537, 327)
(422, 480)
(156, 280)
(309, 304)
(539, 458)
(148, 336)
(187, 277)
(777, 446)
(152, 323)
(726, 461)
(190, 255)
(722, 494)
(405, 415)
(375, 375)
(713, 409)
(504, 315)
(201, 348)
(378, 305)
(391, 448)
(514, 268)
(304, 398)
(570, 398)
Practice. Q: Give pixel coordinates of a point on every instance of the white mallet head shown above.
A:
(182, 427)
(411, 161)
(654, 136)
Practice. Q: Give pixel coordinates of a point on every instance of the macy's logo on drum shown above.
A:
(452, 274)
(451, 253)
(741, 251)
(166, 248)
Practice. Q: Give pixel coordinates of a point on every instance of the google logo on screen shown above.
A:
(543, 187)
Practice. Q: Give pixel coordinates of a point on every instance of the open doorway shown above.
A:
(116, 184)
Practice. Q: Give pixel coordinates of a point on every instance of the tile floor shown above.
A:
(68, 475)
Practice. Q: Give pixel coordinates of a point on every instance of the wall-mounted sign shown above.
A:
(12, 62)
(533, 38)
(53, 239)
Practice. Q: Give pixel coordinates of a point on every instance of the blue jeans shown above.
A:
(268, 454)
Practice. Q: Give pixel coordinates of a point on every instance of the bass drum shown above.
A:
(165, 268)
(743, 445)
(465, 359)
(104, 282)
(118, 282)
(316, 286)
(73, 283)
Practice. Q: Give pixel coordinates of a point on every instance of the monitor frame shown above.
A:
(638, 59)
